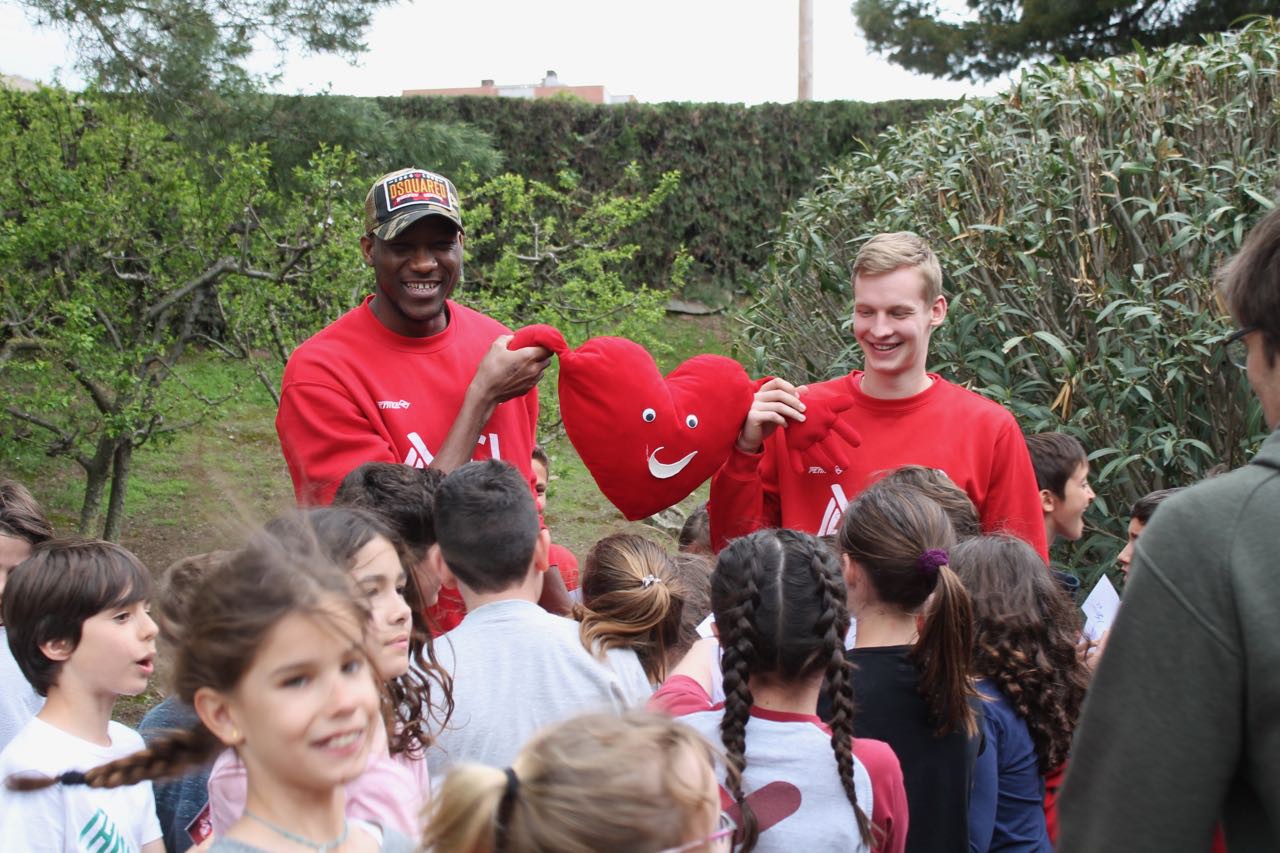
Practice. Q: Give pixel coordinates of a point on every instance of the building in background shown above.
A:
(549, 87)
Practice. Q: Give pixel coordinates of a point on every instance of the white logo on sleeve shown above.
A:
(418, 456)
(393, 404)
(834, 512)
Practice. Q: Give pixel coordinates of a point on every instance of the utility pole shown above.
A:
(806, 51)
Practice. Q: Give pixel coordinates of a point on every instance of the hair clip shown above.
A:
(931, 560)
(649, 580)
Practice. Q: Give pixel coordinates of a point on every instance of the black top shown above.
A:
(937, 772)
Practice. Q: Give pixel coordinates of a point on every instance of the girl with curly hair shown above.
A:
(779, 605)
(1025, 652)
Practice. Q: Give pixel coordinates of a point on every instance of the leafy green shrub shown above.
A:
(740, 166)
(554, 253)
(1080, 218)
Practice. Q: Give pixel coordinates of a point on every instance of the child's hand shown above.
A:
(1091, 651)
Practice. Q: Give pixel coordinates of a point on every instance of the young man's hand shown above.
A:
(774, 404)
(505, 374)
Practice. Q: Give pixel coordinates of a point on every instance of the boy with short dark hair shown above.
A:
(515, 667)
(1141, 512)
(78, 625)
(1062, 475)
(22, 526)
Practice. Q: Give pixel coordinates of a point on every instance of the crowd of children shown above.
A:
(910, 666)
(418, 667)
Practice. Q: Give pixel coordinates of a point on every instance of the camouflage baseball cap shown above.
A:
(399, 199)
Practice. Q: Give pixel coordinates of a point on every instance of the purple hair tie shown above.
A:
(931, 560)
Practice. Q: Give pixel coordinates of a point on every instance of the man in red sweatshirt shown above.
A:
(409, 375)
(905, 415)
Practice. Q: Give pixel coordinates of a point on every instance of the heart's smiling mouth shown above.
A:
(663, 470)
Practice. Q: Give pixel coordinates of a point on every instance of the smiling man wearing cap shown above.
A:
(409, 375)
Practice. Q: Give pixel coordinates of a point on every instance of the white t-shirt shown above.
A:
(73, 818)
(19, 702)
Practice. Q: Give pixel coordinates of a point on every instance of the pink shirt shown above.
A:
(393, 791)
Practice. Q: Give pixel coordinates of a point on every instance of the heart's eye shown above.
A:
(649, 416)
(691, 421)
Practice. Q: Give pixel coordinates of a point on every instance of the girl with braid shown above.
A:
(635, 783)
(779, 605)
(275, 663)
(911, 657)
(394, 787)
(1032, 676)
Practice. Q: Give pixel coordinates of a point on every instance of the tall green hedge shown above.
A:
(1080, 218)
(740, 167)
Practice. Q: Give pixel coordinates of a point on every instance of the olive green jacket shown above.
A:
(1181, 729)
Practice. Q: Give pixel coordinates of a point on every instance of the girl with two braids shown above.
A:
(795, 782)
(275, 661)
(395, 786)
(911, 656)
(1032, 675)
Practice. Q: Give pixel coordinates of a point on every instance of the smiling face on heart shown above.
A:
(650, 440)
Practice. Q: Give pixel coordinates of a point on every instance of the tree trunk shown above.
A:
(96, 473)
(121, 461)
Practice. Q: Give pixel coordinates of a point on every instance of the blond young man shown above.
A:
(904, 414)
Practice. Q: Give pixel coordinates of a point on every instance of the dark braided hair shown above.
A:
(735, 595)
(241, 601)
(831, 627)
(1025, 639)
(779, 601)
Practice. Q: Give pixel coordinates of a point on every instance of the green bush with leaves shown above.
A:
(557, 254)
(1079, 218)
(740, 167)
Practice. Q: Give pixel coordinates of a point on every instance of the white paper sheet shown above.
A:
(1100, 608)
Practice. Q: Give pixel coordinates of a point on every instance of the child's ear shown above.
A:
(542, 550)
(435, 561)
(427, 581)
(57, 650)
(1048, 501)
(849, 569)
(216, 713)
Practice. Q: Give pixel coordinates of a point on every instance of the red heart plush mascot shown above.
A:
(648, 440)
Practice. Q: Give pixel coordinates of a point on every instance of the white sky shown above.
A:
(659, 50)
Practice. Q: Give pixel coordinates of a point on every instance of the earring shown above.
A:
(235, 736)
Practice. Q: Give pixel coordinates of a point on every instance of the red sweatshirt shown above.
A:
(975, 441)
(356, 392)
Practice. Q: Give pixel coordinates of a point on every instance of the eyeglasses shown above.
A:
(1237, 349)
(720, 840)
